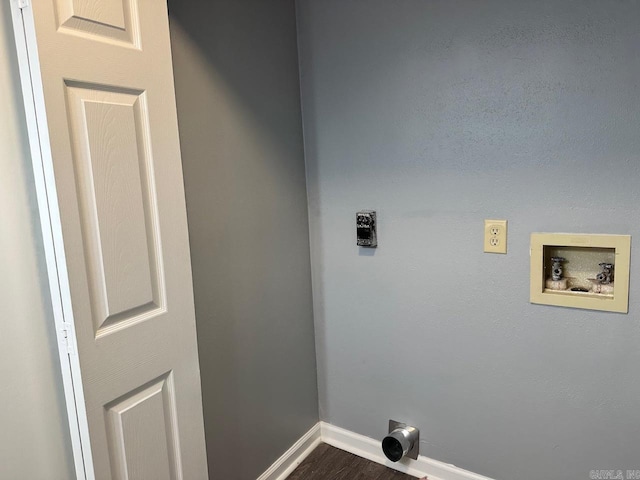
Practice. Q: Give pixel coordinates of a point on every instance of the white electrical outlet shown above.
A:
(495, 236)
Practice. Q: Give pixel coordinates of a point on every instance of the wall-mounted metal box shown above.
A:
(366, 229)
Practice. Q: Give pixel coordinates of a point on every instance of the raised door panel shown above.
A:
(142, 432)
(105, 20)
(117, 202)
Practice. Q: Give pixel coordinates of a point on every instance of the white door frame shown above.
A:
(47, 198)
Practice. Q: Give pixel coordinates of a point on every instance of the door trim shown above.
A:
(51, 227)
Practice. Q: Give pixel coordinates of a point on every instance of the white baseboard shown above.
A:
(364, 447)
(293, 457)
(369, 448)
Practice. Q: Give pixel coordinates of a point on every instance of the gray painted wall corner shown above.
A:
(237, 90)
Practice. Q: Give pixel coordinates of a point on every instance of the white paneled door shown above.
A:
(105, 83)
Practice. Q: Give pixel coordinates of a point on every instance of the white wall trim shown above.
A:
(39, 146)
(364, 447)
(369, 448)
(293, 457)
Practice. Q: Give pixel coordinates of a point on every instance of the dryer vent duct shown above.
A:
(403, 441)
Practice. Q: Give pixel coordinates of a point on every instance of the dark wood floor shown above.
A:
(329, 463)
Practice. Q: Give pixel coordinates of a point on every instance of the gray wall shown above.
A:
(439, 114)
(237, 89)
(35, 442)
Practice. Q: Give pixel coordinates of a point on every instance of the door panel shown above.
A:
(112, 21)
(114, 174)
(142, 425)
(110, 107)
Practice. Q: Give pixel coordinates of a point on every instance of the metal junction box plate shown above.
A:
(366, 229)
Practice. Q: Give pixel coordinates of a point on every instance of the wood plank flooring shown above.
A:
(329, 463)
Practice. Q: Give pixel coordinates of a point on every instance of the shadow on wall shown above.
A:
(238, 98)
(230, 48)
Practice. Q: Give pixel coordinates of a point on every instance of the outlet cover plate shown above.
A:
(495, 236)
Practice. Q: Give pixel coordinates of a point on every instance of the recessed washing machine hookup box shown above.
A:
(581, 271)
